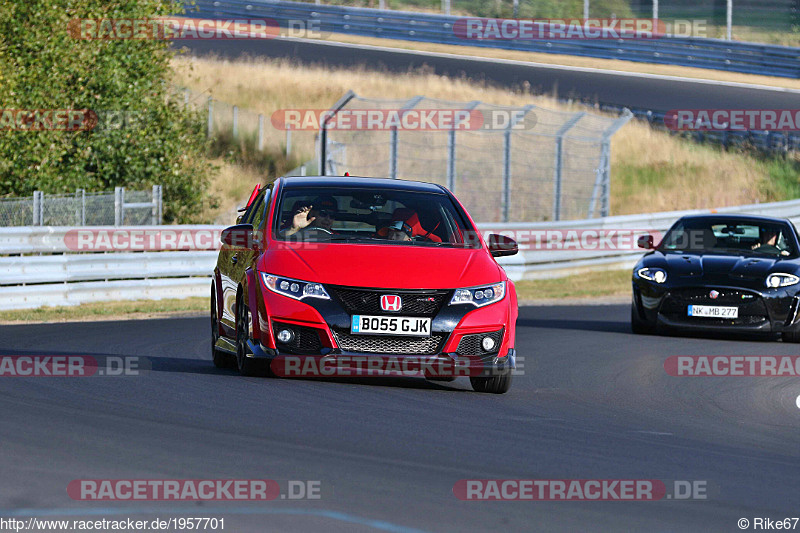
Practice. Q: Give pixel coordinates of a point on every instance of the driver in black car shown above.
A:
(319, 216)
(768, 241)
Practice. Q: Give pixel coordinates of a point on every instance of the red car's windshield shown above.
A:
(384, 216)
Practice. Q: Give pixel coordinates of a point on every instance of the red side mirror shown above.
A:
(500, 245)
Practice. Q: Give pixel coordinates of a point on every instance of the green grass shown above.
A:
(101, 310)
(590, 285)
(784, 179)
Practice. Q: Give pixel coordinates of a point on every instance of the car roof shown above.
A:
(742, 217)
(361, 182)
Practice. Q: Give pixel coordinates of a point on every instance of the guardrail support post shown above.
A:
(210, 127)
(38, 200)
(119, 205)
(260, 142)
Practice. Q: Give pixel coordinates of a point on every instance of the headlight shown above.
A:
(294, 288)
(659, 275)
(480, 296)
(781, 280)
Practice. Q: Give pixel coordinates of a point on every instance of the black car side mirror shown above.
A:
(500, 245)
(645, 241)
(238, 236)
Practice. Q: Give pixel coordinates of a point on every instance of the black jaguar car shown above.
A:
(720, 273)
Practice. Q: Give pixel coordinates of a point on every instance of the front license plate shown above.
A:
(391, 325)
(713, 311)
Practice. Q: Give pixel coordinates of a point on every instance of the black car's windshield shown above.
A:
(733, 236)
(385, 216)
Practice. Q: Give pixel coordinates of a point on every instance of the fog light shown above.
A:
(488, 344)
(285, 336)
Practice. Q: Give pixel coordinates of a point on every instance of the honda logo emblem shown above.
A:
(391, 302)
(714, 295)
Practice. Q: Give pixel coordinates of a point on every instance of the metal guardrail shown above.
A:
(751, 58)
(31, 281)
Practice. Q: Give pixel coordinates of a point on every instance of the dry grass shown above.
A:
(651, 170)
(232, 184)
(606, 283)
(137, 309)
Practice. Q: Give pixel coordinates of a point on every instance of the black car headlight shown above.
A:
(659, 275)
(781, 280)
(480, 296)
(294, 288)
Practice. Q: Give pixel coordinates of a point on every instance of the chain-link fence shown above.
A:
(506, 164)
(118, 208)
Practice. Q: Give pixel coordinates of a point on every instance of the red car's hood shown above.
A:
(383, 266)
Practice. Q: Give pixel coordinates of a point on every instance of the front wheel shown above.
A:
(791, 336)
(220, 358)
(494, 385)
(639, 326)
(247, 365)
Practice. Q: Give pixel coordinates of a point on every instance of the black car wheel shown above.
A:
(247, 365)
(494, 385)
(220, 358)
(639, 326)
(791, 336)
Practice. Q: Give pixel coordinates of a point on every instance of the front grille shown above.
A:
(472, 344)
(306, 339)
(387, 344)
(357, 301)
(752, 310)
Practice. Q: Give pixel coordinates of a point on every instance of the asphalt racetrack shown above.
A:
(657, 93)
(593, 402)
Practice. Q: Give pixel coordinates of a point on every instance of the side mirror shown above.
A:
(238, 236)
(500, 245)
(645, 241)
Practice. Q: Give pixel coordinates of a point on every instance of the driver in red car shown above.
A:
(319, 215)
(405, 226)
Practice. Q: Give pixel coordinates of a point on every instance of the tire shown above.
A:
(494, 385)
(247, 365)
(791, 336)
(639, 326)
(221, 359)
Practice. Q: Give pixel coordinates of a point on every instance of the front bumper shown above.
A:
(768, 311)
(322, 332)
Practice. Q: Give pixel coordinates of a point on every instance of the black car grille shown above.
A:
(752, 310)
(306, 340)
(472, 344)
(388, 344)
(422, 303)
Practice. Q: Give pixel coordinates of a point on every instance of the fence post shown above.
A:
(236, 122)
(729, 19)
(38, 199)
(323, 130)
(559, 163)
(655, 9)
(446, 6)
(154, 210)
(210, 127)
(302, 170)
(80, 207)
(119, 205)
(288, 140)
(260, 144)
(507, 162)
(410, 104)
(605, 160)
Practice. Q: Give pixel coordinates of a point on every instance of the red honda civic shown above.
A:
(346, 270)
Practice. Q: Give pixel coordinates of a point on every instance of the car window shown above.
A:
(382, 216)
(732, 236)
(253, 209)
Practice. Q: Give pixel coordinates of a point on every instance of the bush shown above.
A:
(43, 67)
